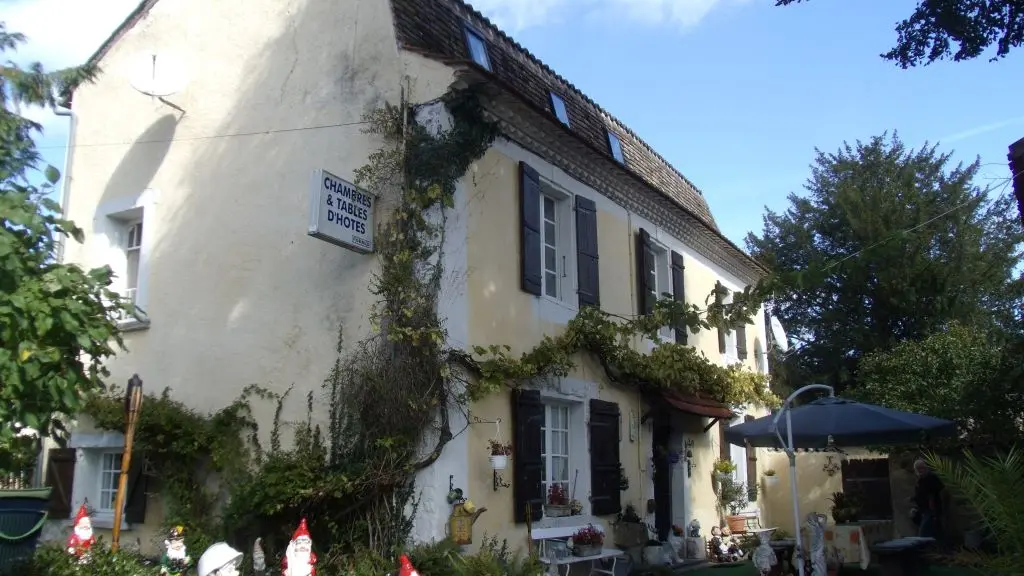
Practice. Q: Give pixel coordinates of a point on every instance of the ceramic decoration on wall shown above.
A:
(299, 558)
(82, 538)
(175, 560)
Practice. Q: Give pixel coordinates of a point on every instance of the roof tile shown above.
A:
(438, 27)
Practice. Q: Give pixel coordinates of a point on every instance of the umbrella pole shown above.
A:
(791, 452)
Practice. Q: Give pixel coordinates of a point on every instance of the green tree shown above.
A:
(889, 244)
(954, 29)
(960, 374)
(57, 321)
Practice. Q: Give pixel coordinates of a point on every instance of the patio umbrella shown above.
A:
(833, 422)
(840, 423)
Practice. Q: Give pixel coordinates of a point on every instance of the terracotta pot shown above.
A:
(499, 461)
(736, 523)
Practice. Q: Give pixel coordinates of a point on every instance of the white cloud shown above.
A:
(514, 15)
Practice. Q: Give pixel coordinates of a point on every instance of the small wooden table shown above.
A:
(901, 557)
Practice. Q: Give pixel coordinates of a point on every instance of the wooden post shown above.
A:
(132, 407)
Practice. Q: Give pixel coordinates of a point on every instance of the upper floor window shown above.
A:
(558, 107)
(133, 254)
(615, 147)
(477, 48)
(556, 243)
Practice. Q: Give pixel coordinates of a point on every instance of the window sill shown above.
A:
(101, 520)
(133, 324)
(555, 310)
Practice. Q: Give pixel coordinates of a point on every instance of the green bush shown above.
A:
(53, 560)
(437, 559)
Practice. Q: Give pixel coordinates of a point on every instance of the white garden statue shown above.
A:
(220, 560)
(763, 556)
(816, 528)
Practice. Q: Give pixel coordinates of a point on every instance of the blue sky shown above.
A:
(735, 93)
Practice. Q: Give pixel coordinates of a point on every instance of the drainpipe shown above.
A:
(65, 173)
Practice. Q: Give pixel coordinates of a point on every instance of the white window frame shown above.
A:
(731, 355)
(662, 281)
(128, 236)
(547, 450)
(132, 246)
(564, 246)
(103, 472)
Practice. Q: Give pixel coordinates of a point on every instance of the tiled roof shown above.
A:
(438, 27)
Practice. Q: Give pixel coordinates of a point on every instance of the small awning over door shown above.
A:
(698, 406)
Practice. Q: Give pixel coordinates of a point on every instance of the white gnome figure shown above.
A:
(299, 558)
(259, 559)
(220, 560)
(816, 527)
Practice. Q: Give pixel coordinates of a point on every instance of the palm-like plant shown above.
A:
(992, 487)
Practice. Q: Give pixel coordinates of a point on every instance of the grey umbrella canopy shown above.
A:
(846, 422)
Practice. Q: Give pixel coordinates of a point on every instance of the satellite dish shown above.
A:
(779, 335)
(157, 74)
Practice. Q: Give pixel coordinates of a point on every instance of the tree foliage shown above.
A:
(57, 321)
(991, 486)
(954, 29)
(959, 374)
(889, 244)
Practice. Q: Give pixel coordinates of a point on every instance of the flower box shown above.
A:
(588, 550)
(557, 510)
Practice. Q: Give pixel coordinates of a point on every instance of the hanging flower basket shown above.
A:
(771, 479)
(499, 453)
(499, 461)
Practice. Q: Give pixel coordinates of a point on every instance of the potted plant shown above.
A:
(845, 508)
(627, 529)
(723, 468)
(734, 497)
(587, 541)
(499, 454)
(770, 479)
(558, 502)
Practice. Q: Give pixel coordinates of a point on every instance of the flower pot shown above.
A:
(736, 523)
(587, 550)
(557, 510)
(771, 480)
(499, 461)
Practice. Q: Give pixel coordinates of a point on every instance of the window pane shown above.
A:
(549, 209)
(549, 233)
(565, 443)
(550, 259)
(551, 284)
(560, 468)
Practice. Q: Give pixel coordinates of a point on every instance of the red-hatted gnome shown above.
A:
(405, 567)
(299, 558)
(81, 539)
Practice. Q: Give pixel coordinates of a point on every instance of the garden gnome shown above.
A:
(81, 539)
(220, 560)
(259, 559)
(299, 558)
(816, 527)
(175, 560)
(405, 567)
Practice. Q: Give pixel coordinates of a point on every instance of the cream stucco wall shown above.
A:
(501, 313)
(236, 291)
